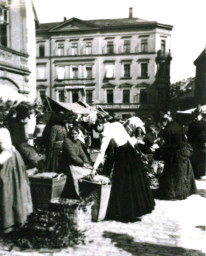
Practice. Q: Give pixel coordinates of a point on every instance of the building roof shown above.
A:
(201, 57)
(187, 88)
(101, 24)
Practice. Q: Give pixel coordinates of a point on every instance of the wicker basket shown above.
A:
(78, 213)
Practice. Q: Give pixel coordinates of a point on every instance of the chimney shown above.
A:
(130, 13)
(65, 18)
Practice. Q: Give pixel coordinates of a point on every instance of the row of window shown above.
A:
(126, 70)
(109, 49)
(126, 96)
(109, 96)
(89, 96)
(73, 71)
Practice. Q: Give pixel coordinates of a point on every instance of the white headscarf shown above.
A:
(5, 145)
(5, 139)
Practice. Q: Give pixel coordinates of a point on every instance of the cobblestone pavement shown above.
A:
(173, 228)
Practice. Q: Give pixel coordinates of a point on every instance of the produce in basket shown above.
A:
(100, 179)
(47, 229)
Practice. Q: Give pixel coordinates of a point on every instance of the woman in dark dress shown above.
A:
(53, 136)
(74, 163)
(177, 180)
(197, 138)
(130, 196)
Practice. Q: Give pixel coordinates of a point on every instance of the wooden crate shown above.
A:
(99, 194)
(45, 188)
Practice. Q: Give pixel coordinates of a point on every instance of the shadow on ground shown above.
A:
(201, 192)
(128, 244)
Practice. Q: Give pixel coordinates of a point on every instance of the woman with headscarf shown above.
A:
(177, 180)
(15, 196)
(130, 196)
(74, 163)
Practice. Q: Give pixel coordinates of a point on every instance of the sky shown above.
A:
(188, 18)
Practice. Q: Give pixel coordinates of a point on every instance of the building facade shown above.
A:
(200, 78)
(17, 50)
(113, 63)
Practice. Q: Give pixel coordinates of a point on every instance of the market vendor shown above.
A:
(18, 128)
(74, 163)
(15, 196)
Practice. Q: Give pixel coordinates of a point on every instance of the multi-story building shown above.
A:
(17, 49)
(182, 94)
(112, 62)
(200, 78)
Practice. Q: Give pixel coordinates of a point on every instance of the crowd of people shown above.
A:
(65, 143)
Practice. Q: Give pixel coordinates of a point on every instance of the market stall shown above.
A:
(186, 116)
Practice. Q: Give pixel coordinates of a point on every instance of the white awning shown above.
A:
(7, 93)
(190, 111)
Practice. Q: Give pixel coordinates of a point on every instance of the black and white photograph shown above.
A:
(102, 128)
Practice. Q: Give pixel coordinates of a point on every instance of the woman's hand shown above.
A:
(88, 166)
(93, 173)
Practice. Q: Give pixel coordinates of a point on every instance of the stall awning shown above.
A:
(7, 93)
(72, 107)
(190, 111)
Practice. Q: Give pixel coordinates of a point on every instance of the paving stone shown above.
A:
(173, 228)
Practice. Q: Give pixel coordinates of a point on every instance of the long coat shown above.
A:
(177, 180)
(197, 138)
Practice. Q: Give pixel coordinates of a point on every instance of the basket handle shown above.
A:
(59, 176)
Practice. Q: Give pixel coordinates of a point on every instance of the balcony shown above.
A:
(120, 106)
(105, 50)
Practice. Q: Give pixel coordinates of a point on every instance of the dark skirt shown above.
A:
(177, 181)
(198, 160)
(15, 196)
(131, 196)
(54, 157)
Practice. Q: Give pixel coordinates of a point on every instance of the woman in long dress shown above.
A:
(177, 181)
(54, 134)
(130, 196)
(15, 196)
